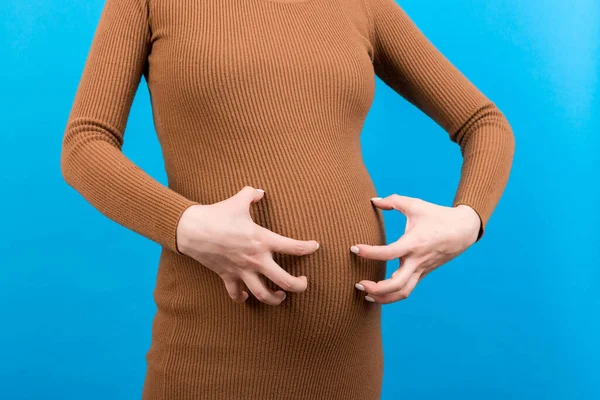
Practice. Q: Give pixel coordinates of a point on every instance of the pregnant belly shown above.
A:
(338, 215)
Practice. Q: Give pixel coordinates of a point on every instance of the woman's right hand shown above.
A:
(224, 238)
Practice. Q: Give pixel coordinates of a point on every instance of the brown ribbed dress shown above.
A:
(271, 94)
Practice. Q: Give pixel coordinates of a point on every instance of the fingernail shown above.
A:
(369, 298)
(359, 287)
(318, 245)
(284, 296)
(354, 249)
(375, 198)
(260, 190)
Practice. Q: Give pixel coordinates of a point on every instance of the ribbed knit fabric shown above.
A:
(272, 94)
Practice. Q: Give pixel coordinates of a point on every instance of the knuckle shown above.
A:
(254, 240)
(397, 288)
(261, 295)
(253, 257)
(227, 274)
(376, 290)
(255, 251)
(388, 255)
(258, 242)
(262, 246)
(419, 243)
(286, 284)
(251, 261)
(298, 248)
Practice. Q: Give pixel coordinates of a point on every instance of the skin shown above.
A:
(433, 236)
(224, 238)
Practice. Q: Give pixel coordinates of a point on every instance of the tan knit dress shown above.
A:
(272, 94)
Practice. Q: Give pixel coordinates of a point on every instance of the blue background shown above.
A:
(514, 317)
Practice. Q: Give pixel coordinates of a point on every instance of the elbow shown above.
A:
(505, 136)
(65, 160)
(72, 153)
(84, 139)
(66, 170)
(488, 128)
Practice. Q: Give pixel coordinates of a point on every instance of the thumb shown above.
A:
(404, 204)
(249, 194)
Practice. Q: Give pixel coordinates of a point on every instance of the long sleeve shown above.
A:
(414, 68)
(92, 161)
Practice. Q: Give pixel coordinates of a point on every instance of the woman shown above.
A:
(258, 106)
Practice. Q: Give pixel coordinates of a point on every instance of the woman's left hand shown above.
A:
(433, 235)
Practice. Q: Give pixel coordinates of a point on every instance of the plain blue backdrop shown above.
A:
(514, 317)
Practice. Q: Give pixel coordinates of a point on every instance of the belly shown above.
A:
(199, 332)
(334, 209)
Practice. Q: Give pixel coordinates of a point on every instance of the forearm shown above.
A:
(487, 145)
(92, 161)
(409, 62)
(117, 187)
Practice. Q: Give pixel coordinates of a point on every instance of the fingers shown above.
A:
(256, 243)
(399, 248)
(404, 204)
(235, 289)
(260, 290)
(410, 207)
(257, 194)
(282, 278)
(400, 294)
(277, 242)
(282, 244)
(248, 194)
(394, 283)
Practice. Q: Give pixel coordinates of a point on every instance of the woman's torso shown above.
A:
(272, 94)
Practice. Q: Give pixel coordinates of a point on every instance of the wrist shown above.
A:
(471, 219)
(184, 230)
